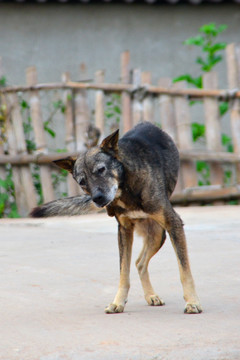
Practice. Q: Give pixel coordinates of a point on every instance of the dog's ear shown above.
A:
(110, 143)
(66, 164)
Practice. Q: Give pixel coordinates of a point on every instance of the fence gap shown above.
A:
(39, 135)
(70, 140)
(212, 127)
(184, 136)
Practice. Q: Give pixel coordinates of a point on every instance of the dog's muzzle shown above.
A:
(100, 199)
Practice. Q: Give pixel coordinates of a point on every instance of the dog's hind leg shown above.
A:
(171, 221)
(125, 240)
(153, 238)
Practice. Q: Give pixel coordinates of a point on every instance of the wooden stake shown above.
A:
(82, 114)
(233, 78)
(126, 98)
(2, 103)
(147, 101)
(137, 107)
(99, 104)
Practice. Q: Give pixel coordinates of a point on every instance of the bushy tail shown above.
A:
(74, 205)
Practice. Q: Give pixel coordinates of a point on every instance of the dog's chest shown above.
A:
(132, 214)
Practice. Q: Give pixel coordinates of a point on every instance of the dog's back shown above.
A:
(151, 159)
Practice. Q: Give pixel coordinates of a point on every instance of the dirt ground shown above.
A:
(57, 275)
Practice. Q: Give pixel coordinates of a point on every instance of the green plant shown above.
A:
(210, 55)
(59, 178)
(113, 110)
(209, 49)
(8, 207)
(3, 81)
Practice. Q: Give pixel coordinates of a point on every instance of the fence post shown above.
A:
(126, 97)
(233, 61)
(212, 126)
(82, 114)
(184, 136)
(73, 188)
(99, 104)
(37, 121)
(136, 104)
(147, 101)
(2, 105)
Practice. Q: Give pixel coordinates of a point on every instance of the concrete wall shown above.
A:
(58, 37)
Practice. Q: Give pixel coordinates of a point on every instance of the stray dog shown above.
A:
(133, 178)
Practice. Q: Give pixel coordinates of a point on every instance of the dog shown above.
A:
(133, 178)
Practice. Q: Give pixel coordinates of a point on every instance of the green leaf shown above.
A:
(216, 47)
(109, 114)
(3, 184)
(197, 41)
(49, 130)
(198, 131)
(117, 109)
(227, 142)
(61, 150)
(24, 104)
(3, 81)
(31, 146)
(223, 107)
(190, 80)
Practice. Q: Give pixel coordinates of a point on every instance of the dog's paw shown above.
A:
(192, 309)
(114, 309)
(154, 300)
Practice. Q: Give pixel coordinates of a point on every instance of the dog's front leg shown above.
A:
(125, 240)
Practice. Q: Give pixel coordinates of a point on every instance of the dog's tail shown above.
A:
(74, 205)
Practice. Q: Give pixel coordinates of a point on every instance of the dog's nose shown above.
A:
(99, 199)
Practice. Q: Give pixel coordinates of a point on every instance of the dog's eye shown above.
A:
(101, 170)
(82, 182)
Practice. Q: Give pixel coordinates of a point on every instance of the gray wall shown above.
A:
(58, 37)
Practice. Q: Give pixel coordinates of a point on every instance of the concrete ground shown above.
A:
(57, 275)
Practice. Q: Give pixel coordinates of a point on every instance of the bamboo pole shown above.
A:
(126, 98)
(233, 83)
(137, 107)
(37, 121)
(167, 117)
(184, 136)
(212, 126)
(223, 94)
(146, 80)
(82, 114)
(73, 188)
(213, 157)
(2, 104)
(99, 104)
(206, 195)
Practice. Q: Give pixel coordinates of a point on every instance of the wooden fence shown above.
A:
(86, 103)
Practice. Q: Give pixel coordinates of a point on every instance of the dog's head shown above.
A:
(98, 171)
